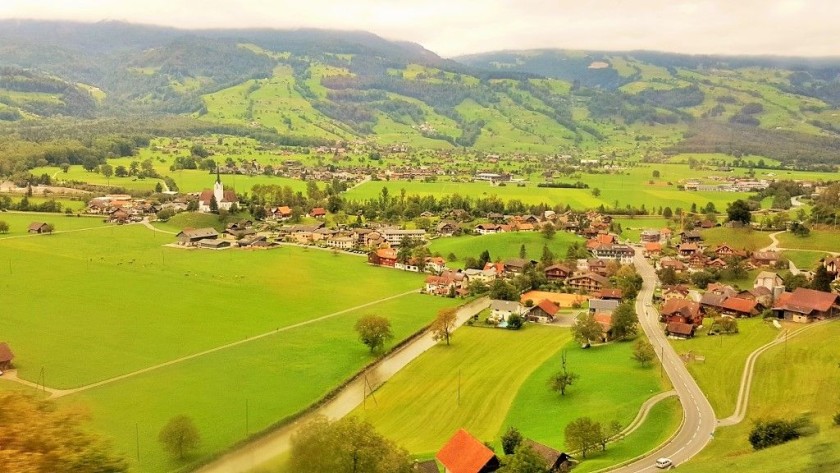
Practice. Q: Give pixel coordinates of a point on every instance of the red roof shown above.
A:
(464, 454)
(680, 328)
(5, 353)
(806, 300)
(653, 246)
(743, 306)
(387, 253)
(548, 307)
(317, 212)
(604, 320)
(683, 306)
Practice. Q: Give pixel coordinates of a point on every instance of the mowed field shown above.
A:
(83, 307)
(797, 379)
(502, 245)
(818, 240)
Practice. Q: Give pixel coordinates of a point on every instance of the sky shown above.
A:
(456, 27)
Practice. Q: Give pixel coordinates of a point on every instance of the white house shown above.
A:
(501, 310)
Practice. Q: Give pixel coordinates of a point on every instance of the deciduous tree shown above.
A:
(586, 328)
(444, 324)
(525, 460)
(374, 331)
(510, 440)
(348, 445)
(583, 434)
(625, 322)
(179, 436)
(643, 352)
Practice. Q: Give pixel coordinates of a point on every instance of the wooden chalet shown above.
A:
(463, 453)
(544, 312)
(383, 257)
(555, 460)
(589, 282)
(679, 330)
(681, 311)
(558, 272)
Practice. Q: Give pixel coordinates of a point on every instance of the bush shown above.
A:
(837, 419)
(515, 322)
(778, 431)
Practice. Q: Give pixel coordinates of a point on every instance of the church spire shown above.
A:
(218, 177)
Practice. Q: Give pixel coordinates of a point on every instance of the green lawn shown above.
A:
(612, 386)
(789, 381)
(277, 376)
(739, 238)
(502, 245)
(720, 375)
(86, 306)
(631, 228)
(818, 240)
(19, 222)
(804, 259)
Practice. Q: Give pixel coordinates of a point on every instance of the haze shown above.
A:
(781, 27)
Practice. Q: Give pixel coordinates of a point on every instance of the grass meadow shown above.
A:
(19, 223)
(818, 240)
(502, 245)
(720, 375)
(804, 259)
(792, 380)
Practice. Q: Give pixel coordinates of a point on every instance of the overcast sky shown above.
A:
(453, 27)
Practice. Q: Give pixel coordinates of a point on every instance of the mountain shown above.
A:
(327, 86)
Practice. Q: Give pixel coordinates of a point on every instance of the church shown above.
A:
(224, 198)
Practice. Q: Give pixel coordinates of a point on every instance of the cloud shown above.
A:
(451, 27)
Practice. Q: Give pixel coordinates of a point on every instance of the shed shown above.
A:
(39, 227)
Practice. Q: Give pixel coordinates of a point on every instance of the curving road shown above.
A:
(699, 420)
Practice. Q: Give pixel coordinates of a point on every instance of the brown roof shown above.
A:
(428, 466)
(193, 233)
(549, 454)
(680, 328)
(653, 246)
(592, 276)
(548, 307)
(36, 226)
(5, 353)
(604, 320)
(806, 301)
(463, 453)
(387, 253)
(680, 306)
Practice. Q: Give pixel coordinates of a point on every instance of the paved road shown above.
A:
(699, 420)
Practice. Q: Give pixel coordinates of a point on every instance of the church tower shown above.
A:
(218, 189)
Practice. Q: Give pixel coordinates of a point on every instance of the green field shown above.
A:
(720, 375)
(119, 275)
(805, 259)
(19, 222)
(789, 381)
(502, 245)
(631, 228)
(818, 240)
(739, 238)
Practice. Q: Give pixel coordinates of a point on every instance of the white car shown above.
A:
(663, 463)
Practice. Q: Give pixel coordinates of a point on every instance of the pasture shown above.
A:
(100, 291)
(720, 375)
(19, 222)
(818, 240)
(739, 238)
(790, 380)
(804, 259)
(502, 245)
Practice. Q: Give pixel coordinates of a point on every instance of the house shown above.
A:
(679, 291)
(675, 264)
(605, 321)
(760, 294)
(558, 272)
(832, 265)
(682, 311)
(769, 280)
(597, 266)
(544, 312)
(589, 282)
(340, 242)
(225, 199)
(428, 466)
(556, 461)
(517, 265)
(621, 253)
(738, 307)
(692, 236)
(6, 357)
(119, 216)
(383, 257)
(716, 263)
(651, 236)
(39, 227)
(446, 283)
(318, 212)
(725, 251)
(604, 306)
(487, 228)
(485, 276)
(806, 305)
(763, 259)
(447, 228)
(214, 244)
(435, 264)
(687, 250)
(559, 299)
(501, 310)
(281, 213)
(394, 236)
(679, 330)
(192, 236)
(652, 250)
(712, 301)
(722, 289)
(463, 453)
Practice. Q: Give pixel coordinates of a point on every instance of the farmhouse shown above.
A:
(318, 212)
(447, 228)
(558, 272)
(6, 357)
(679, 330)
(463, 453)
(560, 299)
(764, 258)
(682, 311)
(224, 198)
(39, 227)
(214, 244)
(192, 236)
(487, 228)
(281, 213)
(544, 312)
(806, 305)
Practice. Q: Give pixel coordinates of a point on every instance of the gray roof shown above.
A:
(505, 306)
(194, 233)
(603, 305)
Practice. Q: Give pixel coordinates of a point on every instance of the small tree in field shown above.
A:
(444, 324)
(510, 440)
(583, 434)
(179, 436)
(563, 378)
(374, 331)
(643, 352)
(4, 227)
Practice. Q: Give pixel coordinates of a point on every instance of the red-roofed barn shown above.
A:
(463, 453)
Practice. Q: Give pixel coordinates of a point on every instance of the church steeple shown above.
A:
(218, 177)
